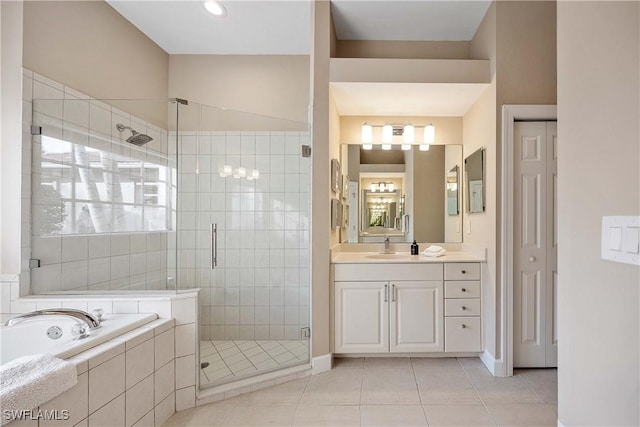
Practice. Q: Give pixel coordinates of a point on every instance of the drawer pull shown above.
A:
(386, 293)
(463, 326)
(464, 308)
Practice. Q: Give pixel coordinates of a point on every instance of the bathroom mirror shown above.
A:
(414, 201)
(474, 170)
(452, 191)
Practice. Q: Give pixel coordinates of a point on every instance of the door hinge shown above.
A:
(305, 333)
(306, 151)
(34, 263)
(36, 130)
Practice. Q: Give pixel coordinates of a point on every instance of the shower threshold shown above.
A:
(232, 360)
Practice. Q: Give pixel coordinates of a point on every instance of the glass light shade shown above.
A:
(227, 170)
(391, 186)
(215, 8)
(386, 146)
(373, 187)
(387, 135)
(242, 172)
(255, 174)
(367, 146)
(408, 134)
(382, 186)
(424, 147)
(366, 135)
(429, 134)
(406, 147)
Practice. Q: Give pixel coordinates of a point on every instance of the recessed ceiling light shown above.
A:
(215, 8)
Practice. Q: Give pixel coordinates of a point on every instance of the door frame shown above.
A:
(511, 113)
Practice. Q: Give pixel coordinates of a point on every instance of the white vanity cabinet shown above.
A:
(391, 314)
(406, 307)
(462, 307)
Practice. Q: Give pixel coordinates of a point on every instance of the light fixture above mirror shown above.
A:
(407, 131)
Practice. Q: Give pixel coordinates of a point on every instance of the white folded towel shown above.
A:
(434, 251)
(30, 381)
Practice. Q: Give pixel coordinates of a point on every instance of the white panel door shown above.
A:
(416, 322)
(551, 302)
(361, 317)
(535, 259)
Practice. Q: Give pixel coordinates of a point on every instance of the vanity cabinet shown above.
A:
(462, 310)
(407, 308)
(393, 314)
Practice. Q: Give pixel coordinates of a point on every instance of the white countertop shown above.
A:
(402, 258)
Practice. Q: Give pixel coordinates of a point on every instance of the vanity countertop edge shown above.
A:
(403, 258)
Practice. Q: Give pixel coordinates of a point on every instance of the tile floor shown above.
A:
(392, 392)
(230, 360)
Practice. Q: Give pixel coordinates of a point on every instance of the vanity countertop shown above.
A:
(399, 258)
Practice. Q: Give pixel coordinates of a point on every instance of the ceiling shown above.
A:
(267, 27)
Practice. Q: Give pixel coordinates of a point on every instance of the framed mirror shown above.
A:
(417, 207)
(474, 171)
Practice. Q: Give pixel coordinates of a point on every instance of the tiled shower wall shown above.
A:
(105, 261)
(260, 287)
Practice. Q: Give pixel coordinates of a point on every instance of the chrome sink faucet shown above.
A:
(91, 320)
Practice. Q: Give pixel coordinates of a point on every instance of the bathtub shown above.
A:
(30, 336)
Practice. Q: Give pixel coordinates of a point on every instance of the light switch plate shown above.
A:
(620, 239)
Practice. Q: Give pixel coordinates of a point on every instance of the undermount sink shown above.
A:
(390, 256)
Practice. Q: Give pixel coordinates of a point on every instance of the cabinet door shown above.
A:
(361, 317)
(416, 322)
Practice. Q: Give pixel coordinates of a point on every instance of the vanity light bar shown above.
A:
(407, 132)
(239, 172)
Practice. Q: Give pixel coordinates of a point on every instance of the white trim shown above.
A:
(321, 364)
(511, 113)
(560, 424)
(495, 366)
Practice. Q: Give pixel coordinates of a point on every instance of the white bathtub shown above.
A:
(30, 336)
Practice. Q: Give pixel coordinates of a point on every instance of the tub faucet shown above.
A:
(92, 321)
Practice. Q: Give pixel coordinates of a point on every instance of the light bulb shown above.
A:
(367, 146)
(406, 147)
(387, 135)
(366, 135)
(382, 187)
(429, 134)
(255, 174)
(391, 186)
(242, 172)
(372, 187)
(386, 146)
(408, 134)
(215, 8)
(227, 170)
(424, 147)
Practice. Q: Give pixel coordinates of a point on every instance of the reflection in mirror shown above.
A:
(417, 206)
(452, 191)
(474, 168)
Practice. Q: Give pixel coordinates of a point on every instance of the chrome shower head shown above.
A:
(136, 138)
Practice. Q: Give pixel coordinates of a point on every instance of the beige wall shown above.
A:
(598, 155)
(403, 49)
(89, 46)
(320, 185)
(10, 137)
(271, 85)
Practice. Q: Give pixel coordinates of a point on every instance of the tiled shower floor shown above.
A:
(229, 360)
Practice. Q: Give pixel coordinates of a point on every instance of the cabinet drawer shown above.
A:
(462, 334)
(462, 307)
(461, 289)
(462, 271)
(376, 272)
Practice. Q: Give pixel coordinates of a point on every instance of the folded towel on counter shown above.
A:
(434, 251)
(29, 381)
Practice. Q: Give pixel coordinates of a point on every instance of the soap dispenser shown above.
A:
(414, 248)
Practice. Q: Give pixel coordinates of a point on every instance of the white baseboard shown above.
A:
(495, 366)
(560, 424)
(321, 364)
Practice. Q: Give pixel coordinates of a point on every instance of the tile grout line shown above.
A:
(484, 405)
(415, 378)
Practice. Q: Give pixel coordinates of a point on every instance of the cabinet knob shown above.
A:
(464, 271)
(464, 289)
(532, 259)
(464, 308)
(464, 326)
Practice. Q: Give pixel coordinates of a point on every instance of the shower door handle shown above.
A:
(214, 245)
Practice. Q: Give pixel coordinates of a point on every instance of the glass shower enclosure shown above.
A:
(149, 195)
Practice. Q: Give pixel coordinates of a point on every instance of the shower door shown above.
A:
(243, 239)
